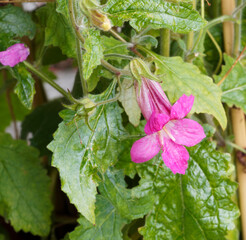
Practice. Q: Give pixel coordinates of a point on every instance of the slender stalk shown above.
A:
(50, 82)
(236, 146)
(117, 35)
(233, 65)
(10, 105)
(80, 65)
(119, 56)
(165, 42)
(219, 51)
(190, 36)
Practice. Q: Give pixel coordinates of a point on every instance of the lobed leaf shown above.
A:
(10, 16)
(78, 162)
(93, 51)
(196, 205)
(179, 77)
(24, 88)
(234, 86)
(179, 17)
(27, 208)
(108, 223)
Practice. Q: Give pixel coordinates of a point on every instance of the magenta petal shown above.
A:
(175, 156)
(186, 132)
(14, 55)
(156, 123)
(145, 148)
(182, 107)
(151, 98)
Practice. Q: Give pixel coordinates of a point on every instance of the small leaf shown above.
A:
(234, 86)
(180, 78)
(93, 51)
(129, 101)
(58, 30)
(24, 88)
(27, 208)
(196, 205)
(15, 22)
(108, 223)
(179, 17)
(78, 162)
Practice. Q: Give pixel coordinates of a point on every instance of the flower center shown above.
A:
(168, 133)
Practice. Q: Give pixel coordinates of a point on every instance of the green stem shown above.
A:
(80, 65)
(190, 36)
(50, 82)
(119, 56)
(236, 146)
(117, 35)
(237, 31)
(212, 24)
(165, 42)
(219, 51)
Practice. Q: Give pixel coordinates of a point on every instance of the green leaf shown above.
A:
(24, 189)
(108, 223)
(24, 88)
(155, 13)
(196, 205)
(93, 51)
(15, 22)
(113, 46)
(129, 203)
(129, 101)
(78, 162)
(234, 86)
(58, 30)
(42, 122)
(180, 78)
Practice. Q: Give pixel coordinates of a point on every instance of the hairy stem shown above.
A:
(50, 82)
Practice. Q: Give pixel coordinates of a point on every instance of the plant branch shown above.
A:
(240, 7)
(114, 33)
(233, 65)
(50, 82)
(119, 56)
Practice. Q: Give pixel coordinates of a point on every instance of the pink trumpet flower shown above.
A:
(13, 55)
(166, 129)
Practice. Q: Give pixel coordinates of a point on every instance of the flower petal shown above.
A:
(151, 98)
(145, 148)
(13, 55)
(182, 107)
(175, 156)
(186, 132)
(156, 123)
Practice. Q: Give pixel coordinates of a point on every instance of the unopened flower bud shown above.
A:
(100, 20)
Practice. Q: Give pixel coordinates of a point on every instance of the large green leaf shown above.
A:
(180, 78)
(108, 223)
(58, 30)
(193, 206)
(129, 203)
(78, 162)
(24, 188)
(15, 22)
(234, 86)
(42, 122)
(155, 13)
(93, 51)
(24, 88)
